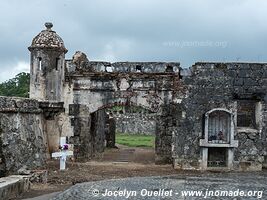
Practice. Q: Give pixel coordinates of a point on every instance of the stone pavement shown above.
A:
(171, 187)
(44, 197)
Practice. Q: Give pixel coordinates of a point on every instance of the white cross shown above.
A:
(62, 154)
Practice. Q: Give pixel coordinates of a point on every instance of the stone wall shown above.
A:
(221, 85)
(54, 124)
(251, 151)
(135, 123)
(98, 126)
(89, 131)
(22, 142)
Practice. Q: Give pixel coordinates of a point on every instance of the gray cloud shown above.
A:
(185, 31)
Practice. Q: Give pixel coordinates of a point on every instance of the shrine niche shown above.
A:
(218, 142)
(219, 126)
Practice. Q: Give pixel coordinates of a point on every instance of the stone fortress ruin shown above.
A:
(210, 116)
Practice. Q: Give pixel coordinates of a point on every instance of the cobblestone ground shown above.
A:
(254, 186)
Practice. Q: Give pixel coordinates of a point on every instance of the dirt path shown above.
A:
(115, 163)
(94, 171)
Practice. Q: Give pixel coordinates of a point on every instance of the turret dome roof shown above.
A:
(48, 39)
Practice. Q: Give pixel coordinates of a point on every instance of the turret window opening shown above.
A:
(138, 68)
(57, 63)
(39, 63)
(169, 68)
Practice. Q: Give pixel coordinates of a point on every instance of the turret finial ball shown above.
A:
(48, 25)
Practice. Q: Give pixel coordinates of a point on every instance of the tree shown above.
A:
(17, 87)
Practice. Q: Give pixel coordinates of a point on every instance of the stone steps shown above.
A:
(120, 155)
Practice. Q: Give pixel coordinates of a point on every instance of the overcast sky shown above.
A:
(184, 31)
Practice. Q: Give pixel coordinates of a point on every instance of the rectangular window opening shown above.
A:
(246, 113)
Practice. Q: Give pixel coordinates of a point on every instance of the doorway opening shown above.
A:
(130, 133)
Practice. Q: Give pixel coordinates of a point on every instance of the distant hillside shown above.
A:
(18, 86)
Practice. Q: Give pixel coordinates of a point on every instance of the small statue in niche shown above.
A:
(220, 135)
(212, 137)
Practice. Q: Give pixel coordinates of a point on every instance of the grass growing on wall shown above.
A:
(135, 140)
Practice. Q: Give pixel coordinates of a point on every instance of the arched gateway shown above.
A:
(94, 88)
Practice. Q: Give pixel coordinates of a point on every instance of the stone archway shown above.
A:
(89, 138)
(95, 90)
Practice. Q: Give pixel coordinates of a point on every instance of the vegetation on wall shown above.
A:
(17, 87)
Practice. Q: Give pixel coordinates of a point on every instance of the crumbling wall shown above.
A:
(89, 131)
(110, 132)
(151, 85)
(136, 123)
(221, 85)
(251, 150)
(22, 142)
(98, 126)
(120, 67)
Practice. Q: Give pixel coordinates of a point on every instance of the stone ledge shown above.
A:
(17, 104)
(249, 166)
(247, 130)
(13, 186)
(20, 110)
(204, 143)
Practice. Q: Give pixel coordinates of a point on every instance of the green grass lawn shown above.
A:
(135, 140)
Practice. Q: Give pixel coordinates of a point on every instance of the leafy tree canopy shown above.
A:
(17, 87)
